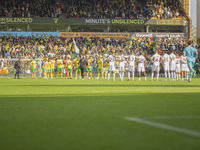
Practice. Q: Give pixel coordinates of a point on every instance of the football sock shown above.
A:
(179, 76)
(108, 76)
(91, 74)
(169, 74)
(76, 74)
(174, 75)
(129, 75)
(157, 76)
(145, 77)
(151, 76)
(102, 74)
(133, 76)
(87, 74)
(122, 75)
(113, 76)
(32, 75)
(98, 74)
(165, 75)
(57, 74)
(191, 72)
(61, 74)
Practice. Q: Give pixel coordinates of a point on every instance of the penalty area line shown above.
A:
(163, 126)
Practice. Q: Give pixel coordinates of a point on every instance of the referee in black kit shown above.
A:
(17, 67)
(83, 63)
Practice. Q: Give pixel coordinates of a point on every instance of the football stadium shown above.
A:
(100, 75)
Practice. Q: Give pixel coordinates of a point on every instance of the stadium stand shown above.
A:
(118, 9)
(13, 47)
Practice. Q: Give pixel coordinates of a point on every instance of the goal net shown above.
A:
(7, 67)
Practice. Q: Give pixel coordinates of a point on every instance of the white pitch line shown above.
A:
(164, 126)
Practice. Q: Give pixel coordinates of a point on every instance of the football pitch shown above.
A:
(62, 114)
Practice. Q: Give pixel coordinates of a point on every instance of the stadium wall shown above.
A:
(96, 34)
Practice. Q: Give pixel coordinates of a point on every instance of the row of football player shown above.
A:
(172, 62)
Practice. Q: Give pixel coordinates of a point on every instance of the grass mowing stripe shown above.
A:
(164, 126)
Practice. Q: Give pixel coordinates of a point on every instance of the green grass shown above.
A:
(90, 115)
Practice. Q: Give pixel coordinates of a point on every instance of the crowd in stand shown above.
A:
(162, 9)
(30, 8)
(48, 47)
(12, 47)
(125, 9)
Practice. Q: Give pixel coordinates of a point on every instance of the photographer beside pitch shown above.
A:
(191, 54)
(17, 67)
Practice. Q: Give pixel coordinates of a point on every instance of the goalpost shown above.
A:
(7, 67)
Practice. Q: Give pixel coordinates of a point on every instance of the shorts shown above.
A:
(78, 70)
(141, 68)
(52, 70)
(184, 67)
(100, 69)
(59, 70)
(106, 70)
(48, 70)
(33, 70)
(111, 67)
(69, 70)
(178, 68)
(190, 63)
(166, 67)
(172, 67)
(131, 68)
(121, 68)
(88, 69)
(156, 67)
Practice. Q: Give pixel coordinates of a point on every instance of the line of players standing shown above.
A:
(173, 62)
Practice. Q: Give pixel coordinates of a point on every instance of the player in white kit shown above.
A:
(166, 59)
(111, 67)
(141, 66)
(172, 66)
(121, 60)
(178, 67)
(184, 67)
(156, 65)
(131, 66)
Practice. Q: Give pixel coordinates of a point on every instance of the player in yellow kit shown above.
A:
(48, 67)
(44, 69)
(59, 66)
(33, 65)
(88, 68)
(78, 70)
(106, 68)
(52, 67)
(100, 68)
(69, 65)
